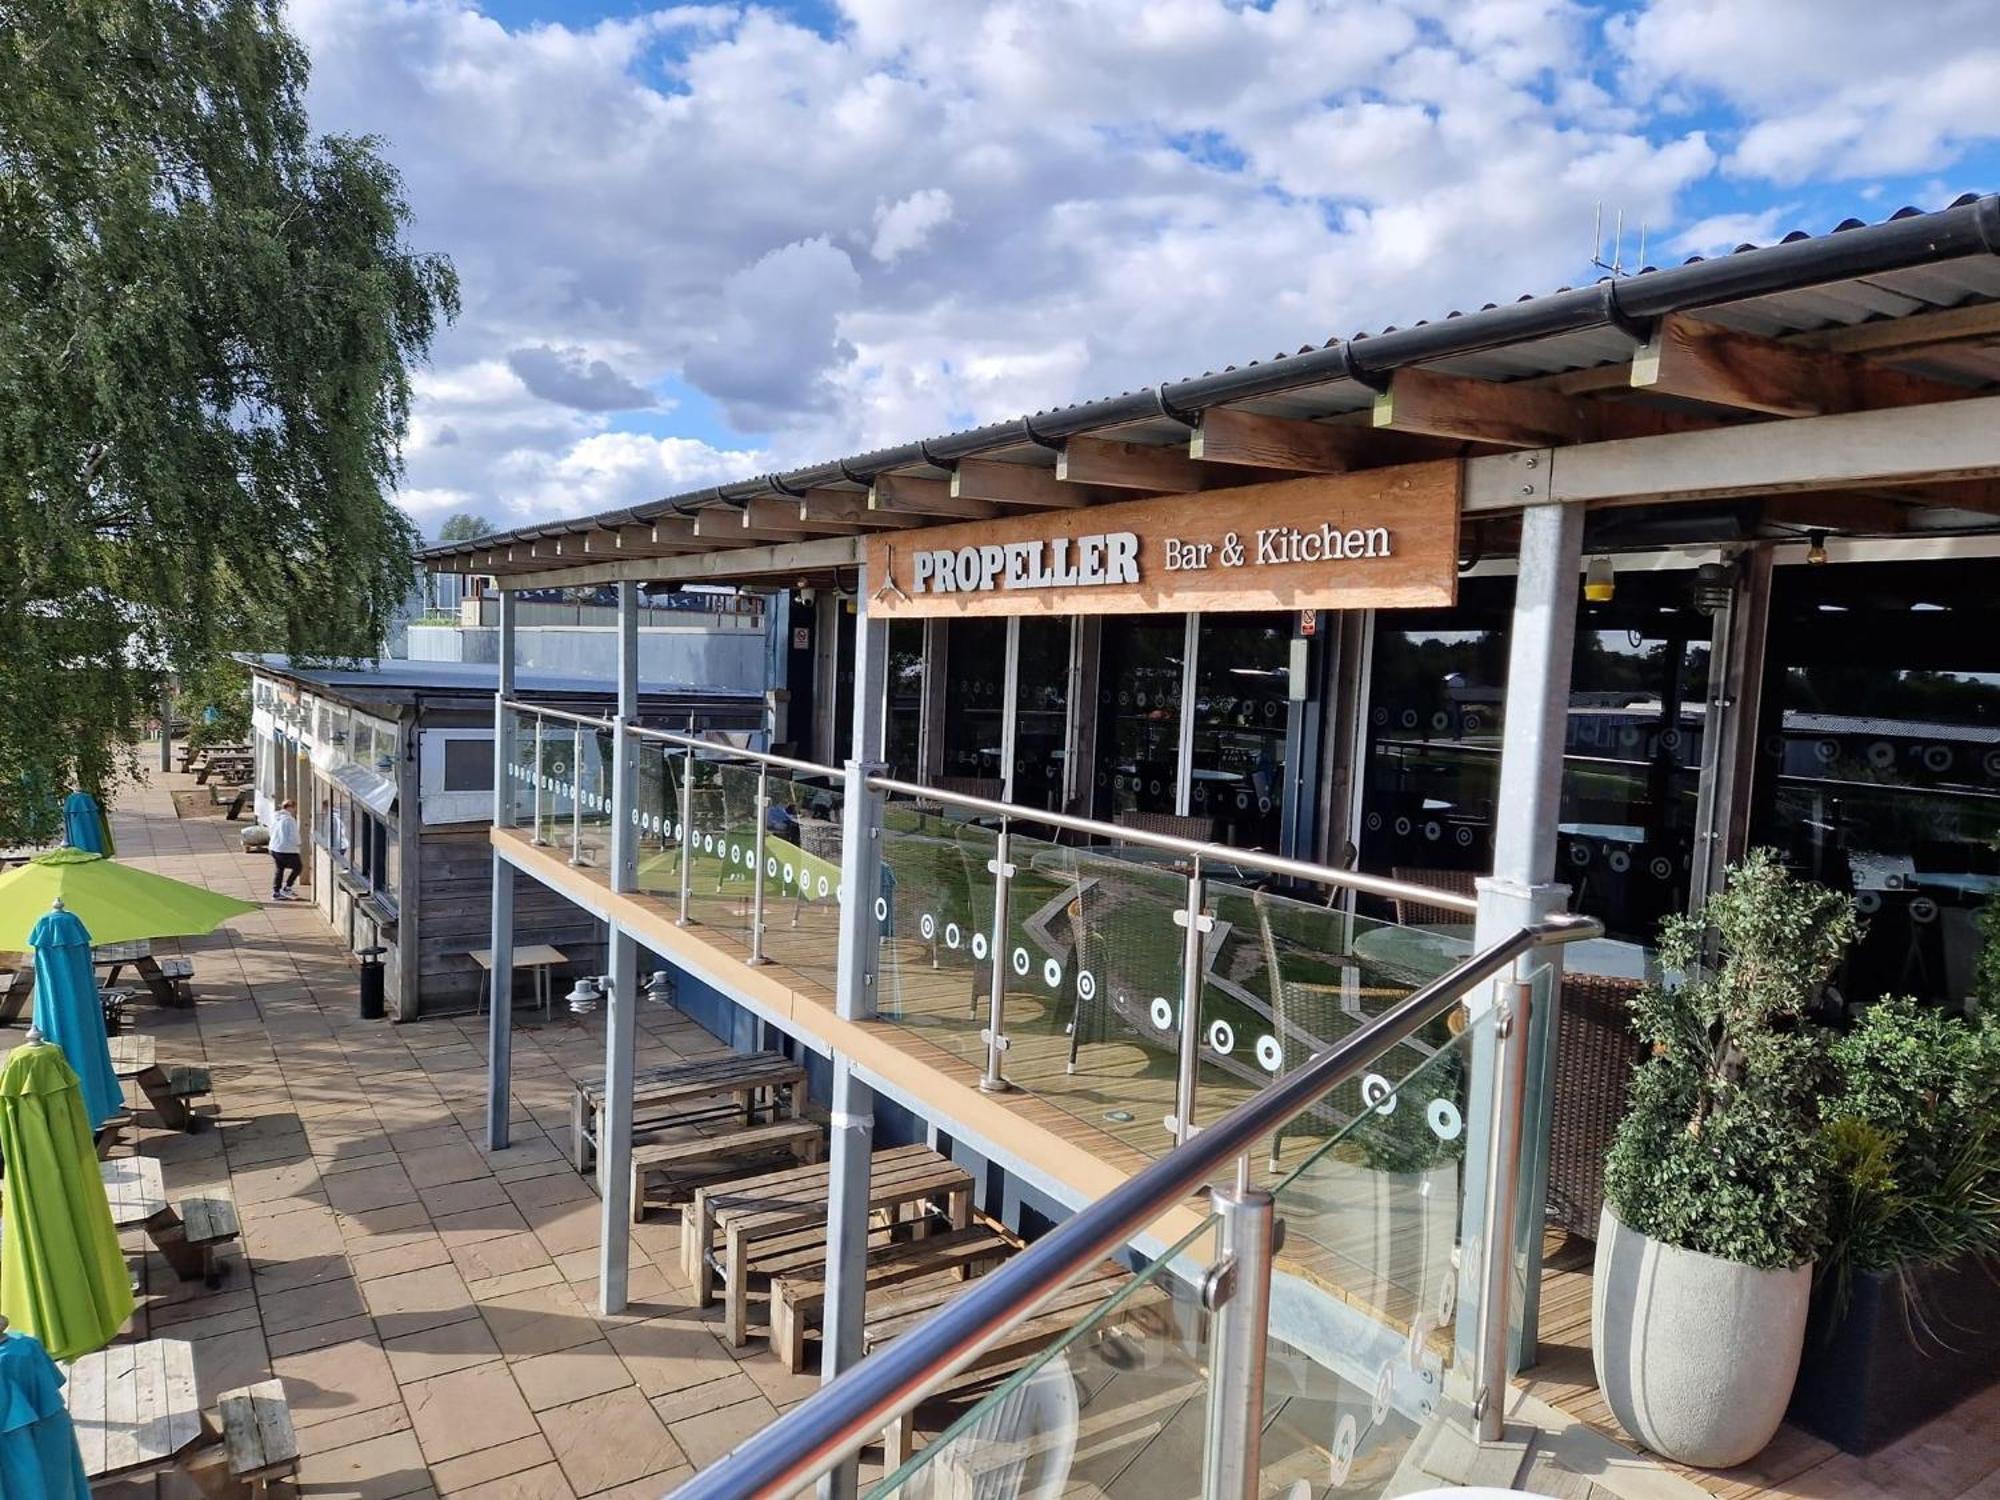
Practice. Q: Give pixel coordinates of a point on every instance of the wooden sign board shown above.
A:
(1377, 539)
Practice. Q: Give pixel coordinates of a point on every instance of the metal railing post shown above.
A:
(540, 769)
(1194, 923)
(576, 796)
(1237, 1292)
(995, 1034)
(687, 831)
(757, 875)
(1503, 1162)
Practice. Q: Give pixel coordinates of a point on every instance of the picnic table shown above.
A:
(169, 1091)
(163, 979)
(683, 1093)
(134, 1408)
(233, 765)
(187, 1237)
(723, 1226)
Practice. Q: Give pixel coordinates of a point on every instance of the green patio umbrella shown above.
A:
(118, 903)
(62, 1277)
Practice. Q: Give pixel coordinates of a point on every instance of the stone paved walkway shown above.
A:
(428, 1305)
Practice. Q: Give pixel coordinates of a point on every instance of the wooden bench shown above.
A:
(1054, 1318)
(661, 1158)
(179, 973)
(702, 1088)
(798, 1297)
(170, 1091)
(134, 1408)
(257, 1434)
(190, 1244)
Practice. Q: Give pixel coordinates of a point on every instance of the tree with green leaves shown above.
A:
(208, 316)
(464, 526)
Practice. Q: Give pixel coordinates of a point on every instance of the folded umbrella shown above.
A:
(118, 903)
(39, 1459)
(84, 825)
(62, 1276)
(68, 1012)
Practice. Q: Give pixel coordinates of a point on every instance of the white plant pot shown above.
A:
(1695, 1356)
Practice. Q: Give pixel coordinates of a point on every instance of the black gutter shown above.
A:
(1969, 227)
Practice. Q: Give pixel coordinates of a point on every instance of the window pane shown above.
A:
(906, 699)
(1243, 690)
(1041, 724)
(975, 688)
(1138, 718)
(468, 765)
(1879, 764)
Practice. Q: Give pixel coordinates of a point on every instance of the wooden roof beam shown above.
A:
(846, 507)
(1697, 361)
(1138, 466)
(782, 513)
(1507, 414)
(678, 531)
(1028, 485)
(906, 494)
(1224, 435)
(728, 523)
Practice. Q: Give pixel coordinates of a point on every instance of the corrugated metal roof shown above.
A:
(1910, 263)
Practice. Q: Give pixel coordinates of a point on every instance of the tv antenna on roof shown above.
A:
(1615, 265)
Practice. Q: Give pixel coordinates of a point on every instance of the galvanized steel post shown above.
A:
(687, 832)
(1238, 1294)
(576, 796)
(1512, 1020)
(995, 1034)
(757, 875)
(1194, 924)
(500, 973)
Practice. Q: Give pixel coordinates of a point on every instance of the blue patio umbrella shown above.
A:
(69, 1014)
(39, 1459)
(83, 824)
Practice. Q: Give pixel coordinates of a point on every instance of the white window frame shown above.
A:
(440, 806)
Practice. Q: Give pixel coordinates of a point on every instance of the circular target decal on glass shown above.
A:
(1379, 718)
(770, 867)
(1409, 718)
(1403, 826)
(1444, 1120)
(1881, 755)
(927, 925)
(979, 946)
(1661, 868)
(951, 934)
(1221, 1037)
(1579, 854)
(1341, 1462)
(1086, 984)
(1162, 1013)
(1022, 962)
(1270, 1056)
(1420, 1335)
(881, 909)
(1433, 830)
(790, 875)
(1868, 901)
(1051, 973)
(1937, 758)
(1923, 910)
(1385, 1393)
(1447, 1302)
(824, 887)
(1464, 837)
(1619, 860)
(1374, 822)
(1378, 1094)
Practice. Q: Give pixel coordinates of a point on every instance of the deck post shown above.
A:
(614, 1145)
(500, 1020)
(855, 998)
(614, 1149)
(1522, 889)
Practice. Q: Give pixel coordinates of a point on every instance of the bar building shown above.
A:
(1159, 741)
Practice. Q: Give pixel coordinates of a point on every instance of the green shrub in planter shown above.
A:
(1720, 1151)
(1716, 1190)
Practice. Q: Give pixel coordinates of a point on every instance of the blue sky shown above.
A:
(702, 241)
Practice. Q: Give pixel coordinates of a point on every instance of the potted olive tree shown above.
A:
(1905, 1318)
(1716, 1196)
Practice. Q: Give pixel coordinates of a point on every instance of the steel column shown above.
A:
(624, 870)
(1194, 924)
(995, 1035)
(1010, 707)
(1238, 1290)
(855, 998)
(1523, 889)
(500, 1020)
(614, 1137)
(1184, 753)
(1511, 1034)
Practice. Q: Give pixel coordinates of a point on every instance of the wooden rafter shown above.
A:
(679, 532)
(850, 507)
(728, 523)
(1224, 435)
(1134, 466)
(1508, 414)
(1028, 485)
(782, 513)
(1698, 361)
(908, 495)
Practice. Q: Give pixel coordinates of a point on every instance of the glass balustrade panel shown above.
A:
(722, 848)
(802, 879)
(936, 909)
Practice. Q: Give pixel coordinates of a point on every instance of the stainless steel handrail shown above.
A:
(557, 713)
(757, 757)
(815, 1435)
(1209, 854)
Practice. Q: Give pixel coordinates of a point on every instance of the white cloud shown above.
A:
(930, 215)
(908, 224)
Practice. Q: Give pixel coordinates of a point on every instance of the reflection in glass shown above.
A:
(1042, 712)
(1879, 764)
(1138, 715)
(1242, 694)
(975, 697)
(904, 727)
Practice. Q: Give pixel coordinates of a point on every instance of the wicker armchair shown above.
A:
(1172, 825)
(1596, 1051)
(1422, 914)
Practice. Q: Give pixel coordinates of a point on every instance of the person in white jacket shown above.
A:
(284, 846)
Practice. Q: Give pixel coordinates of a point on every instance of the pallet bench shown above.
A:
(171, 1091)
(703, 1088)
(134, 1409)
(188, 1235)
(1056, 1317)
(257, 1434)
(798, 1298)
(663, 1158)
